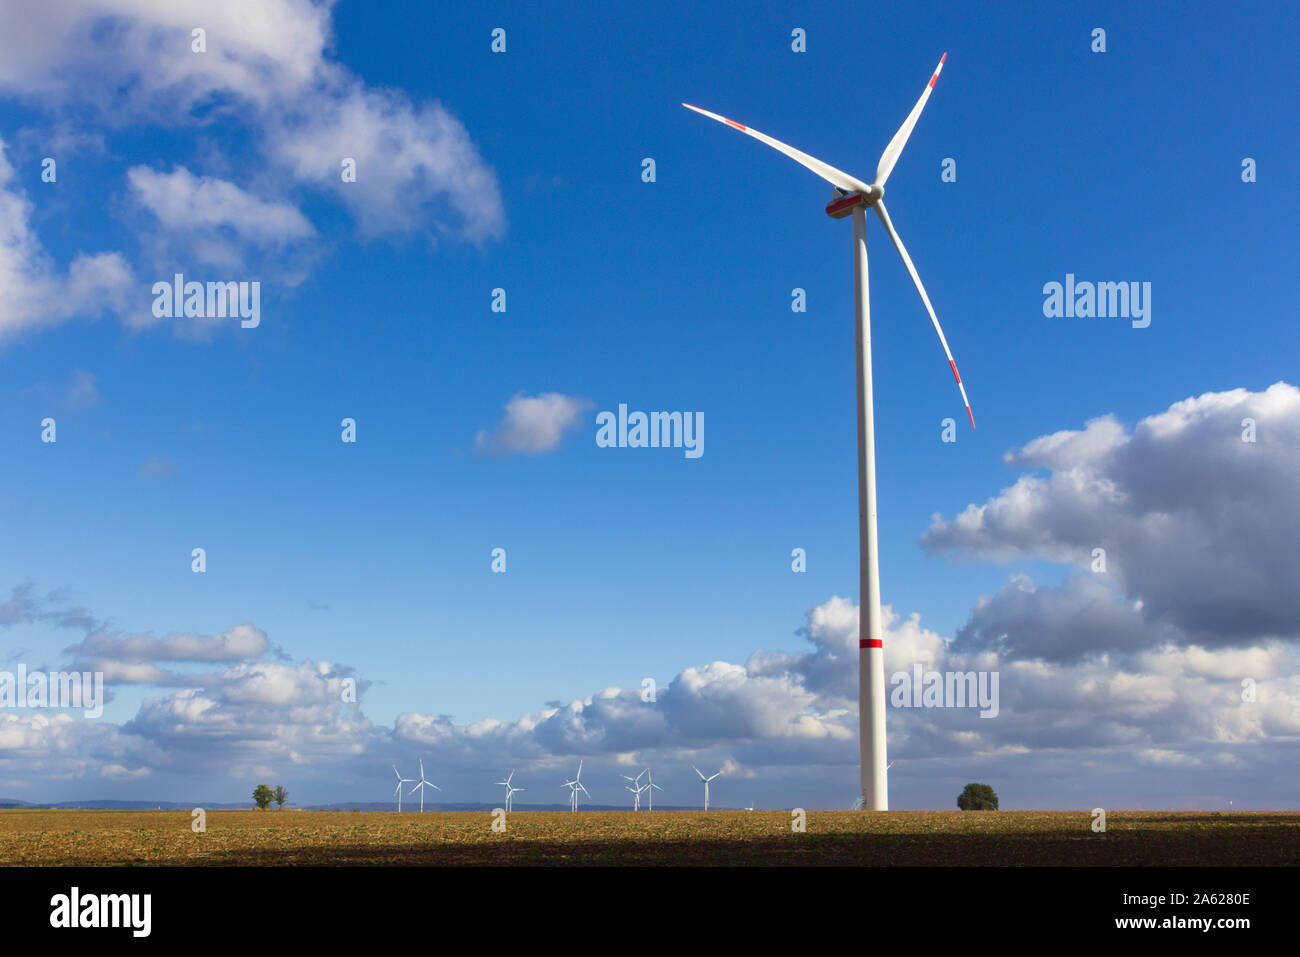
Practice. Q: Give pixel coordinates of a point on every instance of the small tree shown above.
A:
(263, 796)
(977, 797)
(280, 796)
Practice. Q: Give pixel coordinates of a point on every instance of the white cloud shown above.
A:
(214, 218)
(411, 161)
(266, 64)
(784, 717)
(532, 424)
(32, 293)
(234, 644)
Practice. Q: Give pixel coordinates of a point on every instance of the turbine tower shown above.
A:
(706, 784)
(510, 791)
(422, 785)
(400, 781)
(854, 197)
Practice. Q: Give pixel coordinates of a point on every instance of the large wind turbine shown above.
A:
(422, 785)
(854, 197)
(706, 784)
(400, 781)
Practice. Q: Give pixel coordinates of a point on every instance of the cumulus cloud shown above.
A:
(234, 644)
(1194, 522)
(215, 219)
(414, 163)
(266, 66)
(32, 291)
(783, 716)
(1099, 676)
(267, 63)
(532, 424)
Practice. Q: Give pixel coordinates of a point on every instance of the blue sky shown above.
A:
(671, 295)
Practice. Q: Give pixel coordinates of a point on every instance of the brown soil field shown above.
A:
(907, 838)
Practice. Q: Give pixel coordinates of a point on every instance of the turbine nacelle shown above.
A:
(844, 203)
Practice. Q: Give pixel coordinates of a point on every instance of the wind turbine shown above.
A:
(510, 790)
(422, 785)
(575, 786)
(651, 787)
(636, 794)
(854, 197)
(400, 781)
(636, 790)
(706, 784)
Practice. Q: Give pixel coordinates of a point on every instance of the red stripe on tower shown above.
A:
(870, 643)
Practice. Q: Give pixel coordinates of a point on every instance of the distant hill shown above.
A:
(373, 806)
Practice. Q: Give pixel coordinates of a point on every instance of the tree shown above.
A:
(280, 796)
(263, 796)
(977, 797)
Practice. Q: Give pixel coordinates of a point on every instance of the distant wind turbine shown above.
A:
(422, 785)
(510, 791)
(636, 789)
(575, 786)
(651, 787)
(706, 784)
(636, 795)
(854, 197)
(400, 781)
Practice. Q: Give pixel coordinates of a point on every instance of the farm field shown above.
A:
(906, 838)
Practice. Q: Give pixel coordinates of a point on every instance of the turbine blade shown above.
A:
(890, 156)
(827, 172)
(907, 261)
